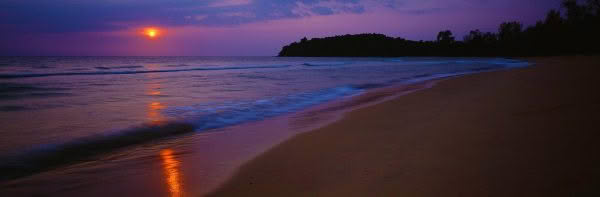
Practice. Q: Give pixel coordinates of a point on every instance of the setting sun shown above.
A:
(151, 32)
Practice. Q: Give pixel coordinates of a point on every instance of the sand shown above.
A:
(522, 132)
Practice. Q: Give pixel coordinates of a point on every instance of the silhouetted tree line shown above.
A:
(575, 32)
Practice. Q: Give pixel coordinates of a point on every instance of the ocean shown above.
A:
(72, 116)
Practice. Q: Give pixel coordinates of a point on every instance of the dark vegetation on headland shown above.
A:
(575, 32)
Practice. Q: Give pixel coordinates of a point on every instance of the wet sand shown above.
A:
(523, 132)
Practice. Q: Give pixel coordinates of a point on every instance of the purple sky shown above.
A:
(237, 27)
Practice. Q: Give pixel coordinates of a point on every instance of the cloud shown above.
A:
(22, 20)
(196, 17)
(110, 15)
(239, 14)
(227, 3)
(326, 8)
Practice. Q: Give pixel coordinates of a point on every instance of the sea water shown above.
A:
(53, 108)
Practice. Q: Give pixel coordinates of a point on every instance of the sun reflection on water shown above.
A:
(154, 114)
(172, 174)
(154, 106)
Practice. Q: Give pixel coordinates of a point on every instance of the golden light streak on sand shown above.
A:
(172, 174)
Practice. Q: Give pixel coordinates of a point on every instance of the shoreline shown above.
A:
(338, 159)
(254, 138)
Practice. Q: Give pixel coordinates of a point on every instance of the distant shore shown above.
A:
(522, 132)
(572, 32)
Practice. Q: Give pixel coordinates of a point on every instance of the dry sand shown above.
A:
(522, 132)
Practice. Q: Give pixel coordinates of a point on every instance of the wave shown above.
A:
(193, 118)
(10, 91)
(33, 95)
(197, 118)
(29, 75)
(18, 87)
(211, 116)
(178, 65)
(504, 62)
(117, 67)
(325, 63)
(10, 108)
(419, 61)
(51, 156)
(509, 63)
(258, 76)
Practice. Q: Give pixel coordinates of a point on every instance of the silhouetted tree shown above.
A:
(509, 35)
(595, 6)
(575, 12)
(474, 37)
(478, 43)
(553, 18)
(509, 31)
(445, 37)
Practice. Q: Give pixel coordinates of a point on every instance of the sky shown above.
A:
(236, 27)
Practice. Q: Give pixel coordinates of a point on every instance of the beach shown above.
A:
(300, 98)
(181, 126)
(521, 132)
